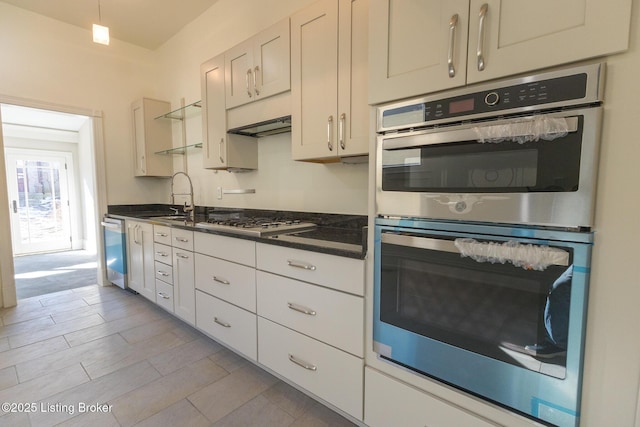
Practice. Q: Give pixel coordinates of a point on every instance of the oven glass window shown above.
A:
(497, 310)
(473, 167)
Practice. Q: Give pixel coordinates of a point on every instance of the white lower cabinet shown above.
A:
(164, 295)
(331, 271)
(331, 374)
(387, 401)
(226, 280)
(227, 323)
(140, 254)
(335, 318)
(311, 322)
(184, 303)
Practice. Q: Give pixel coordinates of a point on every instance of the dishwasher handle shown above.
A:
(111, 225)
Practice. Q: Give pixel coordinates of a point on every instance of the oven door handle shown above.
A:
(465, 134)
(420, 242)
(478, 250)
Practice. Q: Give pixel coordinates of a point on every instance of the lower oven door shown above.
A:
(502, 317)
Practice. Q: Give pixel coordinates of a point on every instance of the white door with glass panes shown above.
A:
(38, 200)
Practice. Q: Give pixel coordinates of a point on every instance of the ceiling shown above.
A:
(146, 23)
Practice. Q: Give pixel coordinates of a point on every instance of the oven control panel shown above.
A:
(571, 87)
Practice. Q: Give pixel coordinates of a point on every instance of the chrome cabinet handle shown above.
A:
(341, 127)
(302, 363)
(135, 235)
(256, 70)
(159, 234)
(453, 24)
(220, 144)
(480, 52)
(163, 273)
(221, 323)
(329, 132)
(162, 254)
(182, 239)
(219, 280)
(183, 256)
(163, 295)
(302, 265)
(301, 309)
(247, 81)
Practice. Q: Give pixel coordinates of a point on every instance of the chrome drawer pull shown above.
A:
(163, 273)
(301, 309)
(219, 280)
(221, 323)
(183, 256)
(182, 239)
(302, 265)
(161, 234)
(163, 295)
(163, 254)
(302, 363)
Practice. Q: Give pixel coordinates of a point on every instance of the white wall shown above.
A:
(280, 183)
(52, 62)
(612, 359)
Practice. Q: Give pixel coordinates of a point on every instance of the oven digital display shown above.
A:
(461, 106)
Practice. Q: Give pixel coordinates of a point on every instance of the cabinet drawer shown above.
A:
(164, 295)
(344, 274)
(388, 400)
(164, 272)
(162, 253)
(231, 282)
(227, 323)
(327, 372)
(228, 248)
(330, 316)
(162, 234)
(182, 239)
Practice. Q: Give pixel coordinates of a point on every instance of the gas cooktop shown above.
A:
(259, 227)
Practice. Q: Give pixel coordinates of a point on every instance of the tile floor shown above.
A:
(61, 352)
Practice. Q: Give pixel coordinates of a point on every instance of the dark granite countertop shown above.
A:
(335, 234)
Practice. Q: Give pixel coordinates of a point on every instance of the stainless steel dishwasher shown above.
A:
(115, 251)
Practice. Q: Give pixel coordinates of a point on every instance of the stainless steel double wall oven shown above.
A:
(485, 200)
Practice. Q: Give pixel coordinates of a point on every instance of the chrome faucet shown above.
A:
(191, 208)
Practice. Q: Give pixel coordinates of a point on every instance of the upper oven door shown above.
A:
(447, 173)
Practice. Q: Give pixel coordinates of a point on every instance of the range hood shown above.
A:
(268, 116)
(264, 128)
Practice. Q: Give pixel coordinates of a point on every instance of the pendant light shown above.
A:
(100, 33)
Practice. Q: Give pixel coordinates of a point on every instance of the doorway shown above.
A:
(39, 198)
(51, 180)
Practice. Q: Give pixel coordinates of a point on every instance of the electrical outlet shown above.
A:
(219, 193)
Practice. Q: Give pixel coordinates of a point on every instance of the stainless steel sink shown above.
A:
(172, 217)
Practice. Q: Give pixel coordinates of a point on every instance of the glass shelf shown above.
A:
(179, 150)
(183, 112)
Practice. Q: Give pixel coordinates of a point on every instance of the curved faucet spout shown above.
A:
(191, 207)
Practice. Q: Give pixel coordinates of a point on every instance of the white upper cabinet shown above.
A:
(424, 46)
(259, 67)
(520, 35)
(329, 63)
(221, 150)
(151, 136)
